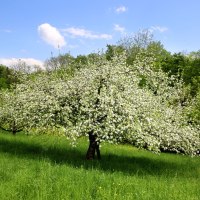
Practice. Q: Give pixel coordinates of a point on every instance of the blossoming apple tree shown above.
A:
(110, 101)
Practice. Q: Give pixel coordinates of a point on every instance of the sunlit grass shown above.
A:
(47, 167)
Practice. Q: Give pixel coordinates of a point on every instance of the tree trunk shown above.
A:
(93, 147)
(14, 132)
(14, 128)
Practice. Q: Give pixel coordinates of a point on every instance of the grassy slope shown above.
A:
(47, 167)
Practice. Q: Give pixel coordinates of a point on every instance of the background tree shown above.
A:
(7, 77)
(136, 43)
(113, 50)
(191, 75)
(61, 61)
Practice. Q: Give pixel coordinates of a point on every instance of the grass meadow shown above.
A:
(48, 168)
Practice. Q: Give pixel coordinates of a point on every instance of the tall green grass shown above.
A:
(47, 167)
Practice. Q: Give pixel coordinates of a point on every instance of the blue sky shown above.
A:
(33, 30)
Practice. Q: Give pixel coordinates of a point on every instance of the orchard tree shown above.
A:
(107, 102)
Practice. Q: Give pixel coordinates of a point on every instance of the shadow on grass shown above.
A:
(75, 157)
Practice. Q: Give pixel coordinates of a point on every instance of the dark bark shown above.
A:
(14, 132)
(93, 147)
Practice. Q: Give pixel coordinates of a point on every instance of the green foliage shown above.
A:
(174, 64)
(194, 112)
(81, 60)
(113, 50)
(6, 77)
(191, 75)
(47, 167)
(184, 66)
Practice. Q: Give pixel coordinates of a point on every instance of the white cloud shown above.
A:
(121, 9)
(159, 29)
(119, 28)
(10, 62)
(51, 35)
(80, 32)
